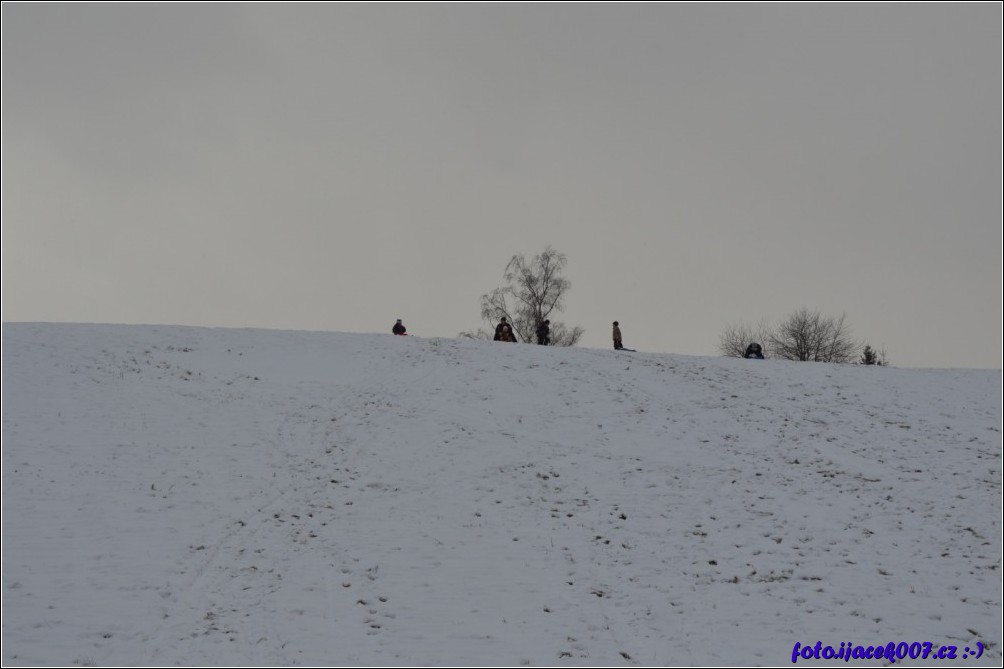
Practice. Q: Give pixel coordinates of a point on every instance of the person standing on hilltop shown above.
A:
(544, 333)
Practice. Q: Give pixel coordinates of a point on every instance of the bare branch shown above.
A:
(808, 336)
(736, 337)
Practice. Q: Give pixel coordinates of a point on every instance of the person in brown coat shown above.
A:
(618, 344)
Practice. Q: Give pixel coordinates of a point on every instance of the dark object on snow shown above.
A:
(754, 351)
(618, 343)
(544, 333)
(399, 328)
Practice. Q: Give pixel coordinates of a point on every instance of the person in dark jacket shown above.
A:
(754, 352)
(544, 333)
(503, 331)
(618, 343)
(498, 329)
(399, 328)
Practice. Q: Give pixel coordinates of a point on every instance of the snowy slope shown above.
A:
(232, 497)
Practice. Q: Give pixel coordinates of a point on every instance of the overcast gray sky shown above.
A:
(339, 166)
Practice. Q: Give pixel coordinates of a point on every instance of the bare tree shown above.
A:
(534, 290)
(736, 337)
(808, 336)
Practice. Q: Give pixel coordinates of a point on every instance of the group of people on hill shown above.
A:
(504, 332)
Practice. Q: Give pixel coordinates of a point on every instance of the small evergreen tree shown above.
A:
(868, 356)
(872, 357)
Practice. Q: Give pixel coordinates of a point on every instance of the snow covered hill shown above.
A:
(180, 496)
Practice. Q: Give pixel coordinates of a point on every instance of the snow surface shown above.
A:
(183, 496)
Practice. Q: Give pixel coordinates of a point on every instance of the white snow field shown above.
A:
(187, 496)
